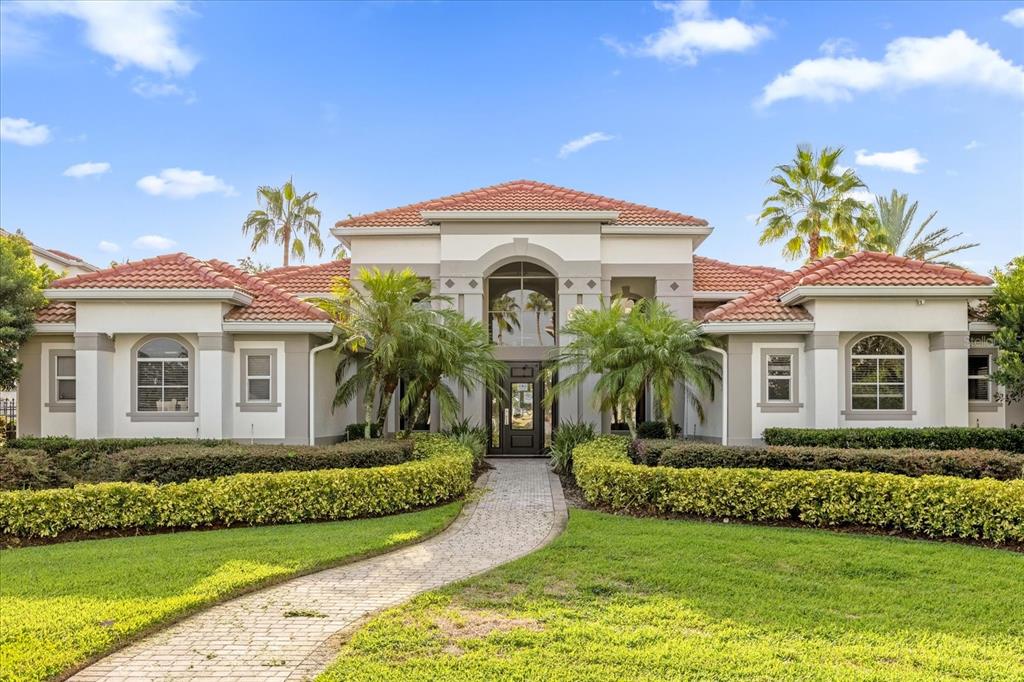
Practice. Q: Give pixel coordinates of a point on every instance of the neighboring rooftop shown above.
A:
(522, 195)
(61, 257)
(308, 279)
(865, 268)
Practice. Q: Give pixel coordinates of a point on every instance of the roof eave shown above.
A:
(294, 326)
(519, 216)
(54, 328)
(759, 327)
(802, 293)
(122, 293)
(718, 295)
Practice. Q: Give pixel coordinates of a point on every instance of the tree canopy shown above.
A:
(21, 285)
(284, 218)
(1006, 311)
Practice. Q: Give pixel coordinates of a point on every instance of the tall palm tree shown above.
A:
(895, 219)
(386, 322)
(285, 217)
(505, 312)
(812, 208)
(629, 350)
(464, 357)
(539, 304)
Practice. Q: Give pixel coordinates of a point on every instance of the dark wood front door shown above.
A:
(518, 425)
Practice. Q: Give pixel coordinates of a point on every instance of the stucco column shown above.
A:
(94, 389)
(822, 356)
(215, 403)
(740, 401)
(296, 390)
(948, 351)
(466, 291)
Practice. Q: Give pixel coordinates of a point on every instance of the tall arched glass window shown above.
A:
(878, 374)
(521, 305)
(162, 376)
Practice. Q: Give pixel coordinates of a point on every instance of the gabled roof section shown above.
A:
(523, 195)
(171, 271)
(865, 268)
(715, 275)
(308, 279)
(270, 302)
(56, 312)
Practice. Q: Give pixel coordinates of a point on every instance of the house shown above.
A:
(175, 346)
(61, 262)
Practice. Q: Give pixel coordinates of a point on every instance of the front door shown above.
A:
(519, 424)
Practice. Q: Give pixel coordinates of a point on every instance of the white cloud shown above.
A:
(179, 183)
(862, 195)
(150, 90)
(141, 34)
(956, 59)
(972, 145)
(108, 247)
(573, 146)
(693, 33)
(153, 242)
(903, 160)
(838, 47)
(1015, 17)
(23, 131)
(81, 170)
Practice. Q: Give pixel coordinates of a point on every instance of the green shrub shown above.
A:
(935, 506)
(649, 451)
(564, 439)
(652, 429)
(29, 469)
(53, 445)
(938, 438)
(443, 472)
(358, 431)
(472, 436)
(908, 462)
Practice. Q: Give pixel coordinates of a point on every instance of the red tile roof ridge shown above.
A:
(200, 267)
(760, 269)
(257, 285)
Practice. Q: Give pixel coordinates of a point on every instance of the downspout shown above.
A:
(725, 392)
(312, 384)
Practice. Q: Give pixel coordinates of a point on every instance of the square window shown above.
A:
(65, 365)
(65, 389)
(778, 389)
(259, 390)
(258, 365)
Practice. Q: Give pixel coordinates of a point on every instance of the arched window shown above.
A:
(878, 374)
(162, 376)
(521, 305)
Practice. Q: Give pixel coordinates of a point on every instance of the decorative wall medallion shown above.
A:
(673, 286)
(449, 284)
(591, 284)
(472, 283)
(568, 284)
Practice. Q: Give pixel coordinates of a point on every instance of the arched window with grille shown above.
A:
(879, 375)
(162, 377)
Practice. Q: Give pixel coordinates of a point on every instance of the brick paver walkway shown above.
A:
(249, 638)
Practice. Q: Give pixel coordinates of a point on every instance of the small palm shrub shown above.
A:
(470, 435)
(564, 439)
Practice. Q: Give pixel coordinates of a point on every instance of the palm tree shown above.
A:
(631, 349)
(284, 217)
(811, 207)
(386, 322)
(505, 312)
(540, 304)
(895, 218)
(464, 357)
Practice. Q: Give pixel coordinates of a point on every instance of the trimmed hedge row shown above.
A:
(443, 472)
(907, 462)
(935, 506)
(930, 438)
(52, 445)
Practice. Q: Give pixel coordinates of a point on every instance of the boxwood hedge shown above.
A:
(930, 438)
(906, 461)
(935, 506)
(442, 472)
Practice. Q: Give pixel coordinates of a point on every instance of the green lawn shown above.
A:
(619, 598)
(61, 604)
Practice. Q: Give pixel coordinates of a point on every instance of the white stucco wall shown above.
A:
(258, 425)
(759, 420)
(149, 317)
(659, 249)
(52, 423)
(371, 250)
(889, 314)
(329, 423)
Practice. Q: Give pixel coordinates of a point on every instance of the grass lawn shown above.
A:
(61, 604)
(619, 598)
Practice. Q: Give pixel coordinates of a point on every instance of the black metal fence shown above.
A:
(9, 417)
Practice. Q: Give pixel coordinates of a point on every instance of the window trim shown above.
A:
(907, 412)
(135, 415)
(793, 404)
(244, 404)
(55, 404)
(990, 405)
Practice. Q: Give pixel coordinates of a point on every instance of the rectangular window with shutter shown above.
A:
(258, 378)
(780, 380)
(64, 373)
(779, 375)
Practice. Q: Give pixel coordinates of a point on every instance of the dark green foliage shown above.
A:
(21, 284)
(566, 436)
(938, 438)
(356, 431)
(649, 450)
(29, 469)
(52, 445)
(651, 429)
(1006, 310)
(907, 462)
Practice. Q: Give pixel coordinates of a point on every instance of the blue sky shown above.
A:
(140, 125)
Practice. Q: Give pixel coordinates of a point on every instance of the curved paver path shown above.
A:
(249, 638)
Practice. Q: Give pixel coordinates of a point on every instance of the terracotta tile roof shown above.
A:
(308, 279)
(865, 268)
(522, 195)
(171, 271)
(56, 312)
(270, 303)
(715, 275)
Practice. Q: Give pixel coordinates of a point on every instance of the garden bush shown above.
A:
(442, 472)
(357, 431)
(906, 461)
(29, 469)
(938, 438)
(935, 506)
(566, 436)
(649, 450)
(53, 445)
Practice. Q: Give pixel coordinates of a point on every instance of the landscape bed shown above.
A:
(932, 506)
(61, 605)
(622, 598)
